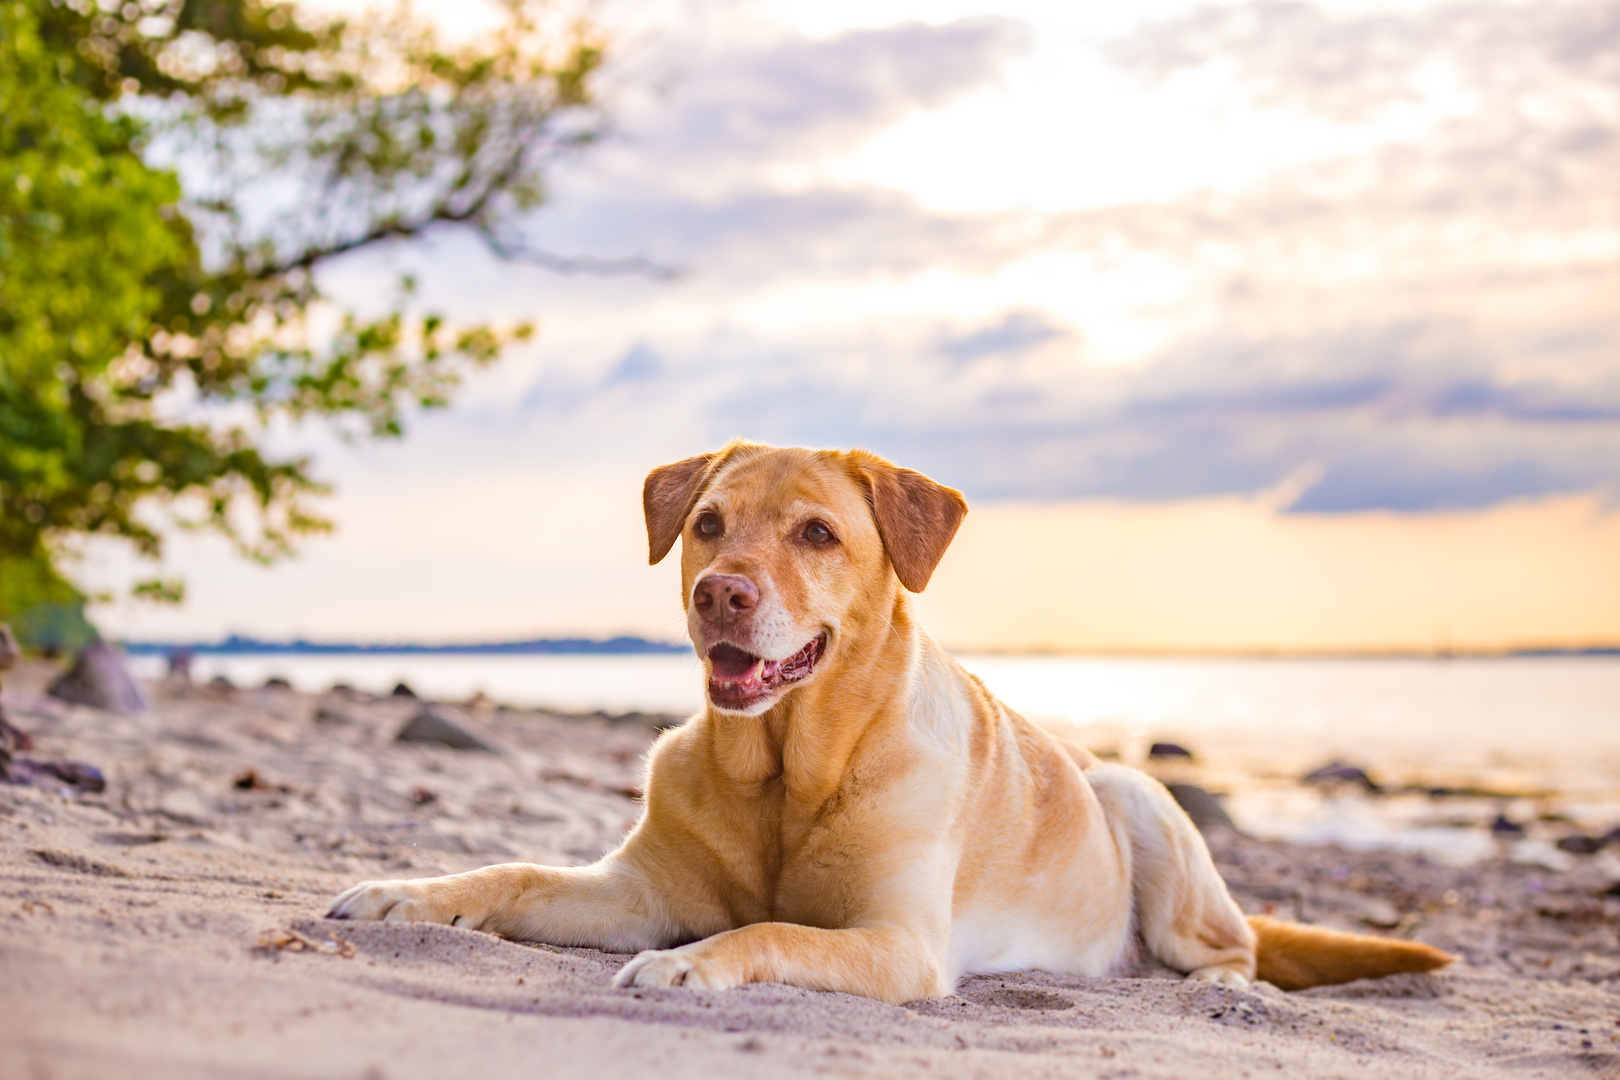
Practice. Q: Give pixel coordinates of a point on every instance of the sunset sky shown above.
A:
(1262, 325)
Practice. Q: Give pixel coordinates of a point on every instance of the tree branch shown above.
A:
(580, 264)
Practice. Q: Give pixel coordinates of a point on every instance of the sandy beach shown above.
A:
(170, 926)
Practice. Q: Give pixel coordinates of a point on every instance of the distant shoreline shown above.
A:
(236, 645)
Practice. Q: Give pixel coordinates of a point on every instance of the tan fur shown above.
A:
(1296, 957)
(884, 826)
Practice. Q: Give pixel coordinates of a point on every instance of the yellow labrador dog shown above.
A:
(853, 811)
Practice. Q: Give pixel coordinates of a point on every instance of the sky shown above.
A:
(1257, 325)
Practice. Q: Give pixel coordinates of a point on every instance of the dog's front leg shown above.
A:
(606, 906)
(890, 963)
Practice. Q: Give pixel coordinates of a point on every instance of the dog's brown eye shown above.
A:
(817, 533)
(708, 525)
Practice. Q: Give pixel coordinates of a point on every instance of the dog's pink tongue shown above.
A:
(730, 662)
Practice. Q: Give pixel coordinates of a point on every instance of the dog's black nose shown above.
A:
(719, 595)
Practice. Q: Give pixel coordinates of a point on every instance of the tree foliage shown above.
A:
(173, 176)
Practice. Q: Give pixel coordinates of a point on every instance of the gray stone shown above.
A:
(9, 652)
(100, 679)
(1204, 808)
(11, 739)
(433, 726)
(1337, 772)
(1582, 845)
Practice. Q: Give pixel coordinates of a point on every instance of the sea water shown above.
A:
(1532, 729)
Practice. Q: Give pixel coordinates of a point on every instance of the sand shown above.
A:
(171, 927)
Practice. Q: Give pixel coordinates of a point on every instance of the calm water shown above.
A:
(1522, 725)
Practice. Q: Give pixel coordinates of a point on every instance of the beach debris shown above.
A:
(78, 864)
(431, 725)
(272, 942)
(422, 796)
(1202, 806)
(1163, 750)
(14, 740)
(1337, 772)
(1502, 827)
(402, 690)
(250, 780)
(1578, 844)
(83, 778)
(99, 679)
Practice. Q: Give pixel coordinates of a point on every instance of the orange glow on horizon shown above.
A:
(1234, 575)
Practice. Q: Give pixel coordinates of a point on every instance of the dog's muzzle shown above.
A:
(740, 680)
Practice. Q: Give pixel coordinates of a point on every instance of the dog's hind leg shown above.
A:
(1187, 918)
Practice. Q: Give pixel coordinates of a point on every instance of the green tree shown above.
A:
(152, 330)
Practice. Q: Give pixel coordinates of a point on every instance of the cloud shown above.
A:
(1349, 67)
(1424, 320)
(1017, 332)
(1493, 133)
(712, 175)
(637, 364)
(798, 97)
(760, 236)
(1407, 417)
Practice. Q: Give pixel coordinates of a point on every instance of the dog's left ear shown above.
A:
(667, 496)
(915, 517)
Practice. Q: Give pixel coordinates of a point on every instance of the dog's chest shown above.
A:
(800, 871)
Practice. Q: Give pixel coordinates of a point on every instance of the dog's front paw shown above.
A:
(685, 966)
(395, 901)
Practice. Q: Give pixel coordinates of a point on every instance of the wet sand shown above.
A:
(170, 926)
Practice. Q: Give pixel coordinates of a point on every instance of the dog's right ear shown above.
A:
(667, 496)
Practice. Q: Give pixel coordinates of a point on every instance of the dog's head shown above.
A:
(790, 555)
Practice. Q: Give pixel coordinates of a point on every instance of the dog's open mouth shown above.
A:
(739, 679)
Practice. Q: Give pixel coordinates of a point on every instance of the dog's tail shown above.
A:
(1293, 956)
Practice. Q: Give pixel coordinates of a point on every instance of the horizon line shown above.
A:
(628, 644)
